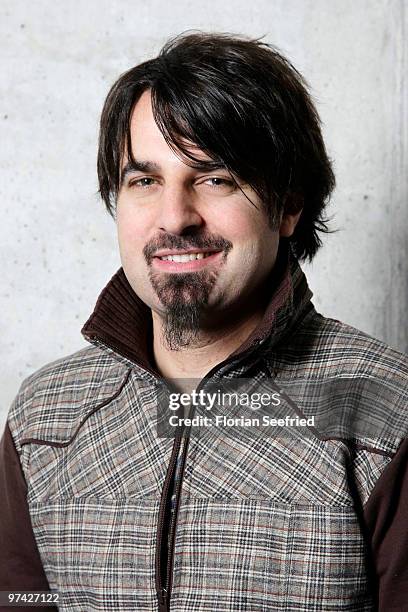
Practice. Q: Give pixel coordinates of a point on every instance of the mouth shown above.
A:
(185, 261)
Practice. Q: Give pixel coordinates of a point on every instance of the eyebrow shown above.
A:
(136, 165)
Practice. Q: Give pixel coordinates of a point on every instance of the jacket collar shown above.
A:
(123, 323)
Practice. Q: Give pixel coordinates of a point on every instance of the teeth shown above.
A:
(185, 257)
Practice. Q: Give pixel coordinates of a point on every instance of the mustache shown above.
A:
(172, 241)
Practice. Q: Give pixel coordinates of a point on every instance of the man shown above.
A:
(212, 162)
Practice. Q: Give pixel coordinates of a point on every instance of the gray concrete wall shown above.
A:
(58, 246)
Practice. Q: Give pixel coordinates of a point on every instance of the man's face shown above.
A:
(167, 208)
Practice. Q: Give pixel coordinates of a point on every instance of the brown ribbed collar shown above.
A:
(122, 322)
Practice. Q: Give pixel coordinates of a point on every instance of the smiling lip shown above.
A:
(164, 252)
(185, 266)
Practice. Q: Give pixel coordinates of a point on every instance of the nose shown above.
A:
(178, 213)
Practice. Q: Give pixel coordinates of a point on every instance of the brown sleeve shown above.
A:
(20, 563)
(386, 517)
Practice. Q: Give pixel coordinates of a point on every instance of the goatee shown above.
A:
(185, 296)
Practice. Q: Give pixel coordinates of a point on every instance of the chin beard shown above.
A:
(185, 296)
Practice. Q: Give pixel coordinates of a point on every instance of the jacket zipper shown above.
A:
(164, 589)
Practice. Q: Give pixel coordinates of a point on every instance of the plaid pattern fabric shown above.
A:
(263, 523)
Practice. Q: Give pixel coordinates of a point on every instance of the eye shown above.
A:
(143, 182)
(220, 183)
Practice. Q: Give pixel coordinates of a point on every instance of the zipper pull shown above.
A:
(163, 600)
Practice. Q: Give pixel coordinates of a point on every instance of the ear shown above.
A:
(292, 209)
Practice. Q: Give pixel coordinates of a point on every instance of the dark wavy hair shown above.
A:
(243, 104)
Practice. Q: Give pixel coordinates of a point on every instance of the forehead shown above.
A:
(142, 113)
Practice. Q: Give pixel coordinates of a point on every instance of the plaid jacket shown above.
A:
(309, 523)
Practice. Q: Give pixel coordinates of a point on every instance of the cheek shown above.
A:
(254, 236)
(244, 220)
(236, 225)
(132, 231)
